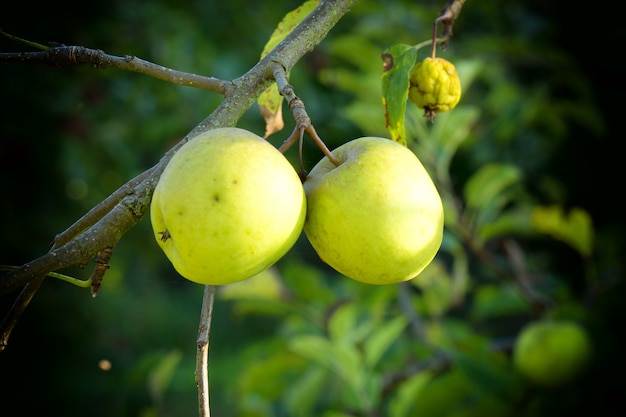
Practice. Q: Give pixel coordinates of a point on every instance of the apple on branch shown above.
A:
(377, 217)
(227, 206)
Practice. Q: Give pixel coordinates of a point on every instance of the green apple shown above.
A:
(227, 206)
(551, 352)
(377, 217)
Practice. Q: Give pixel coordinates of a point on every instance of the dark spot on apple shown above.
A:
(235, 181)
(216, 198)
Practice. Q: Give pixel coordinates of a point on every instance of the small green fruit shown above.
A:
(227, 206)
(377, 217)
(549, 353)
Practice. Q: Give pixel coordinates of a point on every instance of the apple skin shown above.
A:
(227, 206)
(377, 217)
(549, 353)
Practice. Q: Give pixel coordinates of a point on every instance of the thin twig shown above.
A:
(447, 16)
(63, 55)
(18, 307)
(202, 355)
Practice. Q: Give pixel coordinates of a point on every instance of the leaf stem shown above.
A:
(83, 283)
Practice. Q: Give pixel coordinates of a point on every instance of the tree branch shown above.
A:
(104, 225)
(62, 55)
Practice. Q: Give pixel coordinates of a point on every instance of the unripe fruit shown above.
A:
(227, 206)
(434, 86)
(549, 353)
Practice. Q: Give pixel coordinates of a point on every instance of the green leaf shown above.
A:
(332, 413)
(398, 61)
(288, 23)
(344, 360)
(381, 339)
(270, 101)
(436, 288)
(514, 221)
(406, 394)
(486, 187)
(574, 228)
(497, 301)
(449, 132)
(488, 371)
(302, 394)
(161, 374)
(488, 191)
(270, 376)
(342, 323)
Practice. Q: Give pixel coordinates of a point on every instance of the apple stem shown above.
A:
(320, 144)
(433, 49)
(303, 122)
(302, 173)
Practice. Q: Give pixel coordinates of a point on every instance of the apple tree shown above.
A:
(86, 139)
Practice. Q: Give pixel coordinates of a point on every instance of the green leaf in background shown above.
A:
(398, 61)
(435, 284)
(301, 396)
(497, 301)
(449, 132)
(513, 221)
(270, 376)
(336, 414)
(345, 361)
(270, 100)
(406, 394)
(485, 189)
(574, 227)
(381, 339)
(345, 326)
(490, 375)
(488, 191)
(161, 374)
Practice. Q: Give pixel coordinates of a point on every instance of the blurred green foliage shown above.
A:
(524, 165)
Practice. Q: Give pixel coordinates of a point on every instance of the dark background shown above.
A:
(71, 136)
